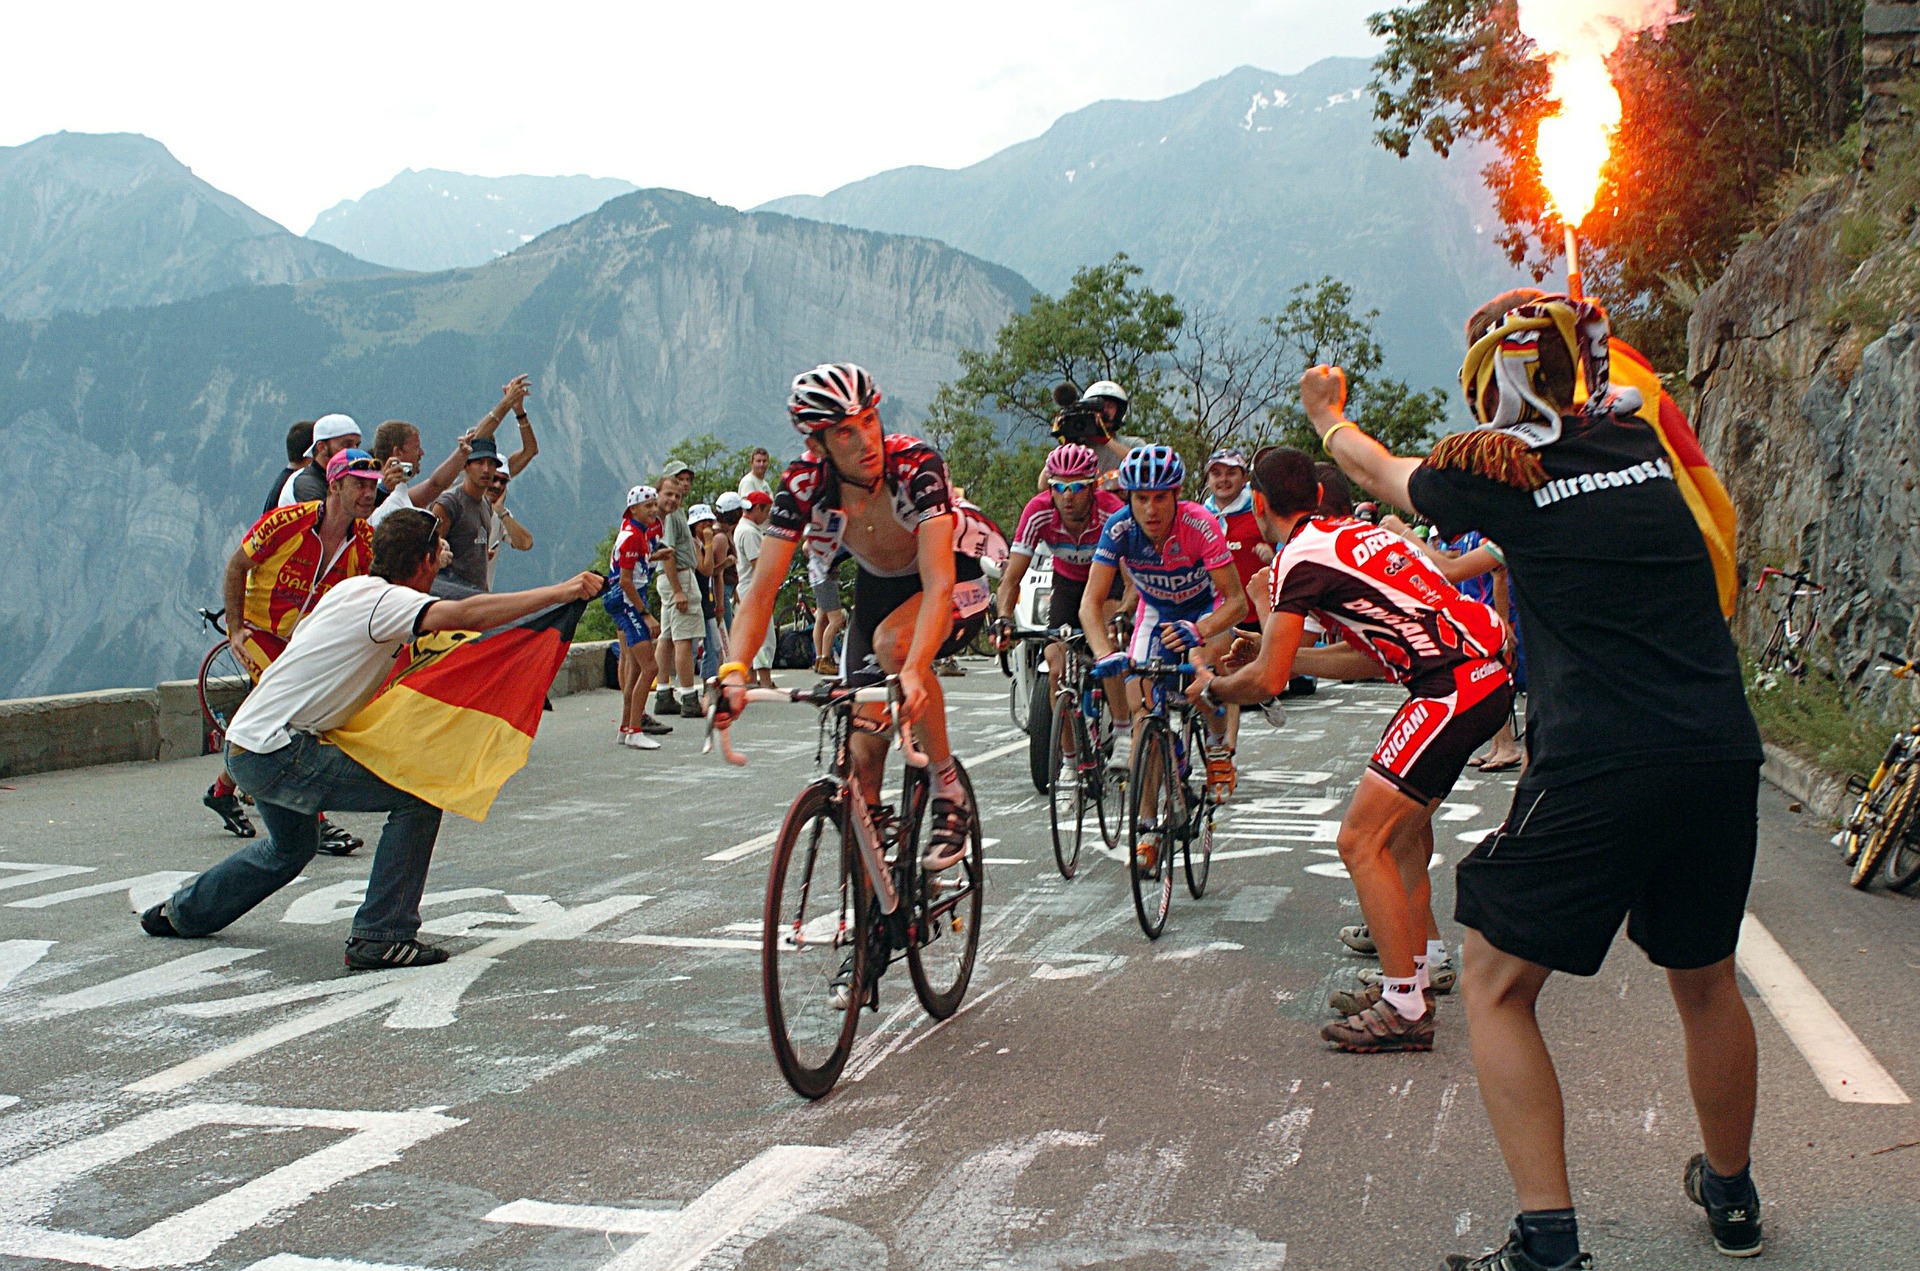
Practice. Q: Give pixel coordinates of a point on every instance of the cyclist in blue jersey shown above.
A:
(1190, 594)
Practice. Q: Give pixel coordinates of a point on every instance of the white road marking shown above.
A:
(1243, 853)
(17, 955)
(625, 1222)
(1183, 955)
(999, 752)
(1458, 812)
(187, 974)
(1844, 1066)
(294, 1262)
(1286, 777)
(331, 904)
(29, 1189)
(1269, 828)
(693, 942)
(1005, 860)
(738, 1201)
(26, 874)
(142, 891)
(1255, 904)
(748, 848)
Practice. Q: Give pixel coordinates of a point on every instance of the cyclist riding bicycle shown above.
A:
(1067, 516)
(1190, 594)
(919, 593)
(1402, 621)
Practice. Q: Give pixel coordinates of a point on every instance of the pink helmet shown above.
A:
(828, 394)
(1071, 462)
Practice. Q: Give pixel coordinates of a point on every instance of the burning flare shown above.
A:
(1576, 37)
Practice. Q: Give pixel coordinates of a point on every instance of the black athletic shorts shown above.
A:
(1063, 606)
(875, 597)
(1669, 849)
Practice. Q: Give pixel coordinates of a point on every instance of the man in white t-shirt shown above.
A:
(336, 661)
(754, 479)
(748, 536)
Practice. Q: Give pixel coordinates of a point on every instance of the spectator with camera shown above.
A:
(1093, 419)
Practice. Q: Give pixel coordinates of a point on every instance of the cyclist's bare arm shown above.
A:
(1007, 595)
(1337, 662)
(1271, 668)
(1233, 603)
(934, 548)
(1092, 621)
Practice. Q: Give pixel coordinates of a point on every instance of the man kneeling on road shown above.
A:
(334, 664)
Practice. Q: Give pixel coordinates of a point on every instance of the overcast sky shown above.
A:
(295, 107)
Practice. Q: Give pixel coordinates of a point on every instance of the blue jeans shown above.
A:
(290, 786)
(710, 655)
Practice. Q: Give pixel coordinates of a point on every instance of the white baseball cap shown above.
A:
(729, 501)
(332, 428)
(699, 512)
(640, 494)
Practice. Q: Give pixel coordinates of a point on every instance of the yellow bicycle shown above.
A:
(1883, 816)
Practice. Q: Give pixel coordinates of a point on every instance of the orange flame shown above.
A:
(1576, 37)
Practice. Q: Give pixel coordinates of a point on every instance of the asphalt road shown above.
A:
(589, 1083)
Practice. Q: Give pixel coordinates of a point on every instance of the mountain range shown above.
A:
(90, 222)
(432, 220)
(1228, 196)
(154, 432)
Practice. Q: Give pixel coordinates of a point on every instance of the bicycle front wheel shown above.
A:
(946, 939)
(1892, 824)
(1067, 806)
(1903, 857)
(1040, 739)
(222, 685)
(1153, 807)
(812, 944)
(1196, 845)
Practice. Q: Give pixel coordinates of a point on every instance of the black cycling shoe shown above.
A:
(391, 955)
(1736, 1228)
(335, 841)
(1511, 1256)
(156, 923)
(233, 818)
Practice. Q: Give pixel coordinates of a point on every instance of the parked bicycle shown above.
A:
(1791, 639)
(1166, 809)
(846, 896)
(222, 684)
(1885, 822)
(1080, 742)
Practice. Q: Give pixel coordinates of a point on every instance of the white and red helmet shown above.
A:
(828, 394)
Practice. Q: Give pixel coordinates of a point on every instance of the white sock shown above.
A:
(1420, 972)
(1123, 725)
(1436, 953)
(946, 780)
(1404, 996)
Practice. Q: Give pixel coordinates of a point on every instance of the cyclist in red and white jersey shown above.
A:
(1402, 621)
(919, 594)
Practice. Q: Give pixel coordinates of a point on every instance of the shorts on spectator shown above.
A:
(1426, 746)
(1668, 848)
(674, 625)
(630, 622)
(826, 595)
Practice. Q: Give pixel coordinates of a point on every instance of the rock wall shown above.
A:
(1817, 437)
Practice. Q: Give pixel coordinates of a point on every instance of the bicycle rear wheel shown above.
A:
(946, 939)
(1040, 738)
(1196, 845)
(1903, 856)
(1899, 811)
(1153, 810)
(1067, 806)
(222, 685)
(813, 933)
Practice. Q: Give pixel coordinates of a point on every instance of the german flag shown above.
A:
(458, 714)
(1699, 484)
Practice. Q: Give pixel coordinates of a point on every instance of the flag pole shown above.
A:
(1573, 266)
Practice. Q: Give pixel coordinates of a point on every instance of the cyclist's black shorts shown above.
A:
(1669, 848)
(875, 597)
(1063, 607)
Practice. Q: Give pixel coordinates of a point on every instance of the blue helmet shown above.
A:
(1152, 468)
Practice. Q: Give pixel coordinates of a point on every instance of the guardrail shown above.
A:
(126, 725)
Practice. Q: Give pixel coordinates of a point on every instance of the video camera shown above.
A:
(1078, 423)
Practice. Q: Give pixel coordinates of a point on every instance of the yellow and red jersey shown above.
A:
(289, 573)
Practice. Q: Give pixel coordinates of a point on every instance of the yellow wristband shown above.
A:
(728, 668)
(1326, 438)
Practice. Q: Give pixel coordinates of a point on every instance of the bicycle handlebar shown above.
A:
(1790, 575)
(825, 694)
(1902, 667)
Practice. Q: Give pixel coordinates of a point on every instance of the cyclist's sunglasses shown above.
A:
(1069, 487)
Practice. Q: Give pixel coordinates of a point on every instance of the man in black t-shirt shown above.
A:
(1639, 799)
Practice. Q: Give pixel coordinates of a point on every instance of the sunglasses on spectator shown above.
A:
(1069, 487)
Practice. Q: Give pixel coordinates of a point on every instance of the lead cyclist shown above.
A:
(919, 594)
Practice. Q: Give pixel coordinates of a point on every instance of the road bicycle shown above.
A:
(1883, 823)
(847, 897)
(1080, 743)
(1791, 639)
(1165, 808)
(222, 684)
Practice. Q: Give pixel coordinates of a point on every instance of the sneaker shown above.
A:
(1440, 979)
(1274, 712)
(391, 955)
(1511, 1256)
(665, 703)
(335, 841)
(949, 667)
(233, 818)
(1122, 757)
(1381, 1028)
(691, 707)
(1359, 939)
(156, 923)
(1344, 1002)
(620, 737)
(638, 740)
(826, 666)
(949, 835)
(1736, 1228)
(653, 727)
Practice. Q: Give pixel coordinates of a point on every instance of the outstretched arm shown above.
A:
(1267, 674)
(1323, 393)
(483, 612)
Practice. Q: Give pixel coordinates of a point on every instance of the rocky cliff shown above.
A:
(1813, 419)
(148, 436)
(90, 222)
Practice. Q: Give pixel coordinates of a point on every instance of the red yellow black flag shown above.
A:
(458, 713)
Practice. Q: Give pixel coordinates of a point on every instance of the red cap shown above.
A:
(758, 499)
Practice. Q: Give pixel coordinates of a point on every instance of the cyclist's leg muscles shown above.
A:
(1375, 820)
(892, 641)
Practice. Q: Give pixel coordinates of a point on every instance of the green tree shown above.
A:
(1715, 111)
(1318, 326)
(716, 465)
(596, 623)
